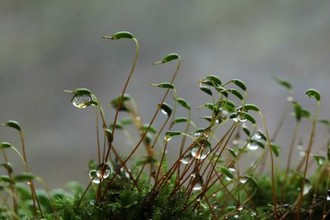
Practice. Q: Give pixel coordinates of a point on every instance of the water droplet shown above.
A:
(164, 112)
(232, 169)
(289, 99)
(82, 101)
(328, 195)
(103, 171)
(167, 137)
(235, 142)
(252, 145)
(236, 216)
(238, 117)
(307, 188)
(200, 152)
(239, 207)
(186, 160)
(302, 153)
(197, 182)
(93, 176)
(243, 179)
(258, 135)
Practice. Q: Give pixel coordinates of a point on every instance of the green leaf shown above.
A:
(183, 103)
(152, 129)
(4, 145)
(123, 99)
(239, 83)
(168, 58)
(249, 117)
(211, 80)
(179, 120)
(165, 85)
(251, 107)
(246, 130)
(314, 93)
(284, 83)
(7, 166)
(226, 172)
(6, 179)
(236, 93)
(82, 91)
(300, 112)
(23, 177)
(170, 134)
(319, 160)
(206, 90)
(275, 149)
(120, 35)
(166, 109)
(233, 152)
(108, 134)
(325, 122)
(13, 124)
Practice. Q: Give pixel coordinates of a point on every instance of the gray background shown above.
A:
(48, 46)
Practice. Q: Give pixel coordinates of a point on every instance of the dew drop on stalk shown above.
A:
(239, 207)
(186, 160)
(197, 182)
(257, 135)
(328, 195)
(93, 176)
(307, 188)
(167, 138)
(103, 171)
(252, 145)
(239, 117)
(82, 101)
(200, 153)
(243, 179)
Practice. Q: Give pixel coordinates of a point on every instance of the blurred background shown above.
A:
(49, 46)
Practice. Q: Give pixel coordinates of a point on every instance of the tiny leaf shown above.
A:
(25, 176)
(4, 145)
(183, 103)
(239, 83)
(236, 93)
(284, 83)
(251, 107)
(166, 109)
(165, 85)
(13, 124)
(168, 58)
(226, 172)
(319, 160)
(275, 149)
(206, 90)
(119, 35)
(179, 120)
(313, 93)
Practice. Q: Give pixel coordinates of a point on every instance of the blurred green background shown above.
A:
(47, 46)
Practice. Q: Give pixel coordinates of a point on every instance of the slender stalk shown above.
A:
(120, 103)
(272, 166)
(307, 155)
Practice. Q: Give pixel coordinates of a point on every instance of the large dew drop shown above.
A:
(197, 183)
(186, 160)
(103, 171)
(200, 153)
(94, 177)
(82, 101)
